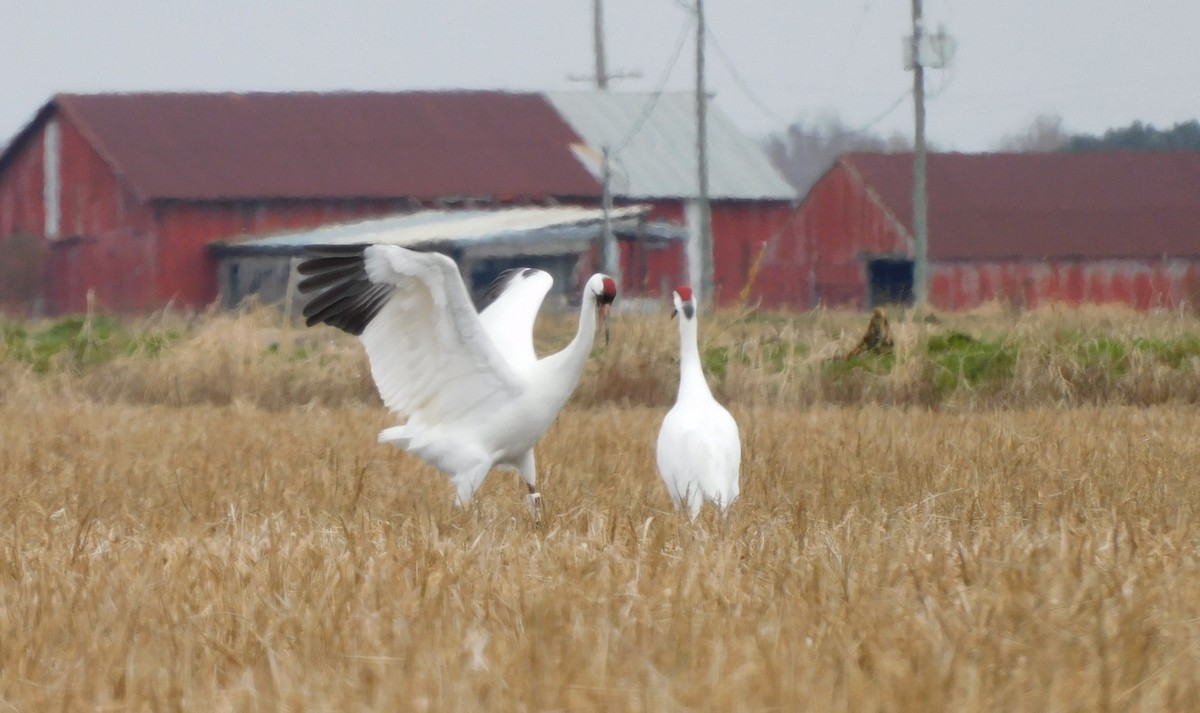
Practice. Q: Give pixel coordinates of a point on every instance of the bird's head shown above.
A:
(684, 302)
(604, 289)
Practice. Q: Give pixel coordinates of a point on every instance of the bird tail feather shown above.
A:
(397, 436)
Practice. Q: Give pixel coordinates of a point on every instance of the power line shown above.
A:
(784, 124)
(947, 80)
(849, 49)
(741, 83)
(862, 129)
(658, 89)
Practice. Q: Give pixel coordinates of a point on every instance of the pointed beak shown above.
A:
(602, 309)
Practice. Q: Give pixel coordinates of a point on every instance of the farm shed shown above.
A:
(118, 195)
(484, 243)
(1025, 228)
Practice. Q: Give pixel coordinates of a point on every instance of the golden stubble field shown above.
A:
(215, 529)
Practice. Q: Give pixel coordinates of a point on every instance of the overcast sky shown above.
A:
(1096, 63)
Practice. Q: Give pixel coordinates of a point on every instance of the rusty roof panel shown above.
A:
(421, 145)
(1094, 204)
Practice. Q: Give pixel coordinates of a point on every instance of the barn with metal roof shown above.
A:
(1025, 228)
(651, 139)
(117, 196)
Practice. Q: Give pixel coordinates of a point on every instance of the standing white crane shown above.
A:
(699, 452)
(475, 393)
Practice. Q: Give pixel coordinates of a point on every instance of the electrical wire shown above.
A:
(658, 89)
(864, 128)
(742, 85)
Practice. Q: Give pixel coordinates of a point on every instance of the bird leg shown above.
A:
(534, 502)
(527, 466)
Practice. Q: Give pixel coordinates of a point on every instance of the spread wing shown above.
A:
(430, 354)
(516, 296)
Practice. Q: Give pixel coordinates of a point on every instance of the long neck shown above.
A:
(566, 366)
(691, 374)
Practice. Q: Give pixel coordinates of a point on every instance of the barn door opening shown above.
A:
(890, 281)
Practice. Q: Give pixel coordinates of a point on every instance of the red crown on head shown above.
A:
(610, 287)
(684, 292)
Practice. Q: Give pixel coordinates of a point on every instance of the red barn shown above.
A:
(117, 196)
(128, 189)
(1023, 228)
(651, 139)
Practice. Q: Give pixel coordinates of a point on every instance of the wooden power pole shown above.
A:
(598, 44)
(923, 50)
(704, 233)
(920, 215)
(610, 252)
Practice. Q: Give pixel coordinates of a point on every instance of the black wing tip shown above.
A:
(343, 295)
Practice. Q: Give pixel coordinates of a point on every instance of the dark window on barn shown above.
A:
(890, 281)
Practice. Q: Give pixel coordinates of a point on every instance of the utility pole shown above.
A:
(610, 252)
(601, 76)
(920, 51)
(704, 234)
(598, 44)
(920, 216)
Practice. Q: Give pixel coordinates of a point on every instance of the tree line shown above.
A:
(805, 151)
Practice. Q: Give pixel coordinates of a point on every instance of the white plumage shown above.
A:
(699, 452)
(474, 392)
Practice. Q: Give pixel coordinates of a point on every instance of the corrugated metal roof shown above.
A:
(455, 227)
(423, 145)
(653, 138)
(1093, 204)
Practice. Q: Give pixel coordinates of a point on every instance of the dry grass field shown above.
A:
(1002, 515)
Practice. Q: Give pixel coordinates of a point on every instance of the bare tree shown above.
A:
(806, 152)
(1044, 134)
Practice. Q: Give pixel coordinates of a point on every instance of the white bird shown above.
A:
(475, 395)
(699, 452)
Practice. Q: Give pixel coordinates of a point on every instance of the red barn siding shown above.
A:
(117, 270)
(645, 271)
(1144, 284)
(21, 203)
(843, 222)
(92, 201)
(188, 274)
(838, 226)
(108, 246)
(651, 271)
(107, 243)
(666, 269)
(740, 230)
